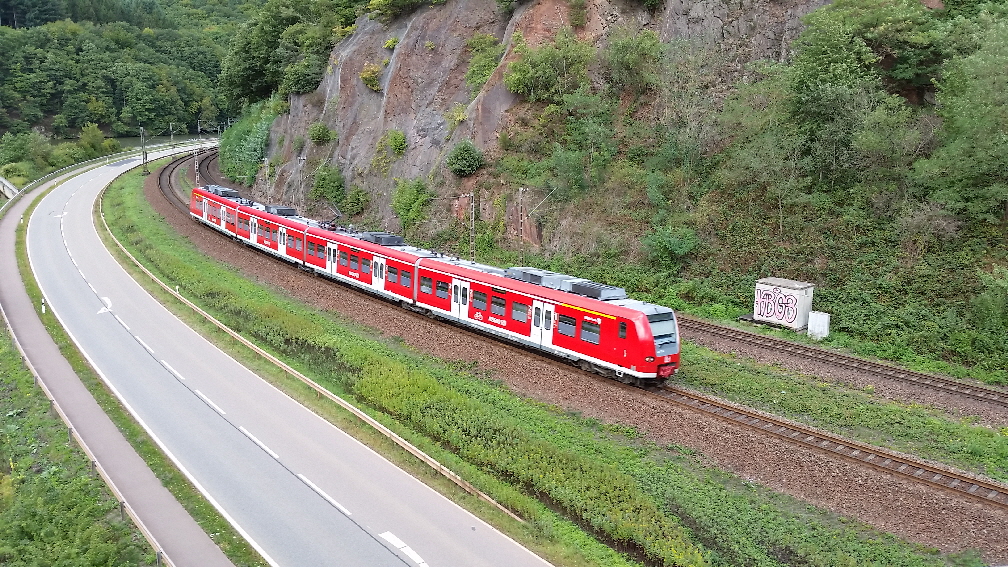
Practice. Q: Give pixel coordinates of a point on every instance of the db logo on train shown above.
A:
(478, 316)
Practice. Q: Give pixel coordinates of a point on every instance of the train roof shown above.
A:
(553, 286)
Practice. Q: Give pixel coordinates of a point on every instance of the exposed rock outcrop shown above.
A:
(423, 78)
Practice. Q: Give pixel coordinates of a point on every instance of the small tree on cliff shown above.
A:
(464, 159)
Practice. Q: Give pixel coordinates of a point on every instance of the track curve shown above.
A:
(894, 463)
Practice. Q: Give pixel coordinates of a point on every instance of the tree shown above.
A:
(410, 201)
(969, 171)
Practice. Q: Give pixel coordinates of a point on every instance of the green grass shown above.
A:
(512, 448)
(53, 509)
(230, 542)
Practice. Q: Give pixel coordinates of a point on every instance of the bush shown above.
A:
(356, 202)
(391, 43)
(669, 244)
(550, 71)
(486, 54)
(410, 201)
(634, 60)
(320, 134)
(397, 142)
(328, 185)
(243, 145)
(464, 159)
(369, 74)
(303, 76)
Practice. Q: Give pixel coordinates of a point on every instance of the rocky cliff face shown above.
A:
(423, 78)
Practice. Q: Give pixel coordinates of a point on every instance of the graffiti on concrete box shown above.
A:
(775, 304)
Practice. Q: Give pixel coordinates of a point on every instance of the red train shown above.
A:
(592, 324)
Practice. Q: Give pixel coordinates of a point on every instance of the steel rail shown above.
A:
(986, 394)
(899, 465)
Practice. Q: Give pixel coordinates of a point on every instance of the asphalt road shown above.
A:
(302, 491)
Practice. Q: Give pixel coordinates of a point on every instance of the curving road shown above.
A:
(303, 492)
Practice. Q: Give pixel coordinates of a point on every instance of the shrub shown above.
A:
(633, 60)
(397, 142)
(486, 54)
(455, 115)
(356, 202)
(429, 45)
(464, 159)
(320, 134)
(387, 10)
(243, 145)
(669, 244)
(391, 43)
(369, 74)
(548, 72)
(328, 185)
(303, 76)
(410, 201)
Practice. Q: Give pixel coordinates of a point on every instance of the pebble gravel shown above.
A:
(959, 407)
(916, 512)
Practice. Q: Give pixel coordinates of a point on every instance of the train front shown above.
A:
(665, 333)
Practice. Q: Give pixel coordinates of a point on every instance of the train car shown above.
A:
(593, 325)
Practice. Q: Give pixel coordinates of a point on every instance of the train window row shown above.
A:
(243, 224)
(394, 275)
(267, 233)
(591, 332)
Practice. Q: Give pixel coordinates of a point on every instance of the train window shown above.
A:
(464, 296)
(567, 325)
(311, 248)
(442, 290)
(622, 329)
(537, 317)
(321, 251)
(454, 294)
(426, 285)
(297, 243)
(393, 275)
(290, 241)
(342, 258)
(381, 270)
(519, 312)
(405, 278)
(365, 265)
(479, 300)
(548, 320)
(497, 305)
(276, 237)
(590, 332)
(354, 262)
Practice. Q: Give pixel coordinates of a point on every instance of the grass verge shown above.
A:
(219, 530)
(53, 509)
(594, 478)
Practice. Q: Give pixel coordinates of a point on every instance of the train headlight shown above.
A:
(649, 359)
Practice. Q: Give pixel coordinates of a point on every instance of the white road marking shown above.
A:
(210, 403)
(258, 442)
(139, 340)
(322, 493)
(121, 322)
(107, 307)
(398, 543)
(107, 302)
(168, 366)
(89, 285)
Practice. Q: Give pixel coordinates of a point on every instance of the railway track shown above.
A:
(948, 385)
(867, 455)
(900, 466)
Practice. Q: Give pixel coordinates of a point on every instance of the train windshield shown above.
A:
(663, 327)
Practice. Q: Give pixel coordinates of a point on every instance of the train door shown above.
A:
(378, 273)
(460, 299)
(542, 323)
(282, 238)
(253, 230)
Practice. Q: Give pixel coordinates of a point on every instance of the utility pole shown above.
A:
(199, 135)
(301, 161)
(196, 165)
(521, 225)
(171, 133)
(143, 150)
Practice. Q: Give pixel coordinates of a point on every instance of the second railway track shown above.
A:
(900, 466)
(948, 385)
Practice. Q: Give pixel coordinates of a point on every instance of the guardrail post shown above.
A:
(69, 434)
(159, 558)
(122, 512)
